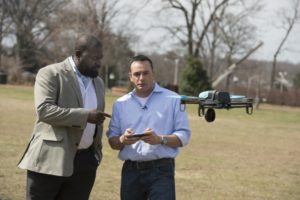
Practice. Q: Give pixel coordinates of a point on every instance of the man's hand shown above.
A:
(118, 142)
(126, 138)
(97, 117)
(151, 137)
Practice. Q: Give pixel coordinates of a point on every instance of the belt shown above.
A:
(149, 164)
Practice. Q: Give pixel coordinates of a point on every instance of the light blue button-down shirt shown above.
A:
(161, 113)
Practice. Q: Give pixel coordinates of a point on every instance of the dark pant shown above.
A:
(153, 180)
(76, 187)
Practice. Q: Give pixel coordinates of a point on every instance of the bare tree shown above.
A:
(214, 30)
(4, 26)
(233, 66)
(192, 32)
(31, 28)
(209, 50)
(236, 39)
(116, 44)
(98, 17)
(231, 35)
(289, 17)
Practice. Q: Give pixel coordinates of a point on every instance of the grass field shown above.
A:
(236, 157)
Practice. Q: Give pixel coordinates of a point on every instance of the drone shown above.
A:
(208, 101)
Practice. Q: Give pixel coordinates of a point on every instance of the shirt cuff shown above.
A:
(110, 134)
(183, 137)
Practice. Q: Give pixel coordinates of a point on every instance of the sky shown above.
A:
(266, 21)
(153, 40)
(272, 35)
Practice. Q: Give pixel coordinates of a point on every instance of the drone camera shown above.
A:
(210, 115)
(222, 97)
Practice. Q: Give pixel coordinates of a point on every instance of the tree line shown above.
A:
(213, 35)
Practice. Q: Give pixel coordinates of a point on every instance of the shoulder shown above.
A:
(99, 80)
(166, 92)
(52, 69)
(122, 101)
(125, 98)
(169, 92)
(167, 97)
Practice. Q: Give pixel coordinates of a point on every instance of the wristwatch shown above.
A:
(164, 140)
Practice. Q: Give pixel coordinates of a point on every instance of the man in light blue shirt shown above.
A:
(147, 127)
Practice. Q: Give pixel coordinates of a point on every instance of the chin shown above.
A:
(142, 89)
(92, 74)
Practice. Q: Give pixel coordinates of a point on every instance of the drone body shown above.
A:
(210, 100)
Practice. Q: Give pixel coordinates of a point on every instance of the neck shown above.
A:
(76, 61)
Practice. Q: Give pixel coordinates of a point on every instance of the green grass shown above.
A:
(238, 156)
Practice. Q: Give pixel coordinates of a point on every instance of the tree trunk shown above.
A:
(228, 78)
(1, 37)
(273, 73)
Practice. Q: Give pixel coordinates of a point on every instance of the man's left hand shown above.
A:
(151, 137)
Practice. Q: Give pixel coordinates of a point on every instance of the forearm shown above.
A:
(55, 115)
(173, 141)
(115, 143)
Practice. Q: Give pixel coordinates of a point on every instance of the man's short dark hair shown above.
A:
(86, 42)
(140, 58)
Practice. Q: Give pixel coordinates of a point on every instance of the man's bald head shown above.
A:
(86, 42)
(88, 55)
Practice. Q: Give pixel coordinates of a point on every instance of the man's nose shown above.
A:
(142, 76)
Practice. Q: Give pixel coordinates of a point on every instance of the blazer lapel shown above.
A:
(73, 81)
(97, 90)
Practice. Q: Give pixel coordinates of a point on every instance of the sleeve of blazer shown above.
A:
(46, 91)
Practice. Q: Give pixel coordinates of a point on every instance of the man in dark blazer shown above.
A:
(65, 147)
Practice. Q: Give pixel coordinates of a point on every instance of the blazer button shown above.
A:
(76, 144)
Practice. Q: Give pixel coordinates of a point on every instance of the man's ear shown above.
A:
(129, 76)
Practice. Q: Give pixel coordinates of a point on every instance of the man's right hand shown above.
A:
(126, 138)
(97, 117)
(118, 142)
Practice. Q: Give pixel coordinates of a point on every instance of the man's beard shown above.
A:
(91, 73)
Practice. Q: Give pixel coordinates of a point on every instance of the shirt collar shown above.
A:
(75, 69)
(157, 88)
(73, 64)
